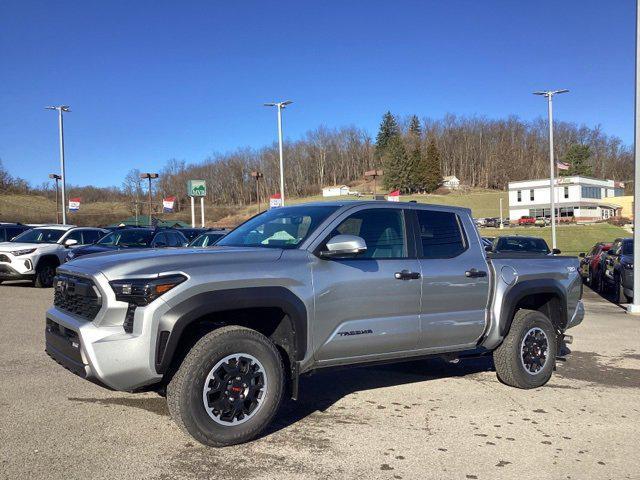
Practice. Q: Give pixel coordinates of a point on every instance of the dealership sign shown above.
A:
(168, 203)
(197, 188)
(275, 201)
(74, 204)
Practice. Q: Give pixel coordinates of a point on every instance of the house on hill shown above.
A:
(451, 182)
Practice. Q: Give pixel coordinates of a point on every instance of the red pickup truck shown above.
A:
(526, 220)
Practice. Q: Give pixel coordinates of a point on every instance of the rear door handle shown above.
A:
(475, 273)
(406, 275)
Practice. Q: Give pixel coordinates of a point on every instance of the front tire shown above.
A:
(44, 275)
(527, 356)
(228, 388)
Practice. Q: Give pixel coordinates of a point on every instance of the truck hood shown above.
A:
(10, 246)
(153, 261)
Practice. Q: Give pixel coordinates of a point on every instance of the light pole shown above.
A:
(149, 176)
(56, 177)
(280, 106)
(257, 175)
(60, 109)
(634, 307)
(552, 181)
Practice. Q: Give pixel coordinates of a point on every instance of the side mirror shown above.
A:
(582, 255)
(556, 251)
(344, 246)
(70, 242)
(488, 248)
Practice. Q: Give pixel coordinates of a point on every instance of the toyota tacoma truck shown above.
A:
(226, 332)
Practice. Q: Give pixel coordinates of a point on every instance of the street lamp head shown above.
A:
(55, 176)
(544, 94)
(62, 108)
(278, 104)
(564, 90)
(285, 103)
(550, 93)
(148, 175)
(269, 104)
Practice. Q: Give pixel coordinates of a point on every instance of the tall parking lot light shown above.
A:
(149, 176)
(56, 177)
(280, 106)
(60, 109)
(634, 307)
(552, 180)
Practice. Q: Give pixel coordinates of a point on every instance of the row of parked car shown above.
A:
(608, 269)
(30, 252)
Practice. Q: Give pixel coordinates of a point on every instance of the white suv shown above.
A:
(35, 254)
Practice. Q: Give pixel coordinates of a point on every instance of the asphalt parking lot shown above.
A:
(417, 420)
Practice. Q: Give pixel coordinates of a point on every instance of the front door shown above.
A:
(455, 282)
(361, 307)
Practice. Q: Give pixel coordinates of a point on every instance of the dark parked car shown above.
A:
(192, 233)
(618, 270)
(208, 238)
(591, 265)
(132, 237)
(10, 230)
(525, 245)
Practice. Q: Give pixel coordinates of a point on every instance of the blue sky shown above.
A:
(154, 80)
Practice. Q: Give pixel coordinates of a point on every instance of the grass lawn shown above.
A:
(572, 239)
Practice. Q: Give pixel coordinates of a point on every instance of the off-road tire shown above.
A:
(185, 390)
(507, 357)
(44, 275)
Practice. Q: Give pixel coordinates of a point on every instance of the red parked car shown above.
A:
(526, 220)
(592, 265)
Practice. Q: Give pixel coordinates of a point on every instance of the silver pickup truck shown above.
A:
(225, 332)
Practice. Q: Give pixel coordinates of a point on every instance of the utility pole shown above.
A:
(60, 109)
(149, 176)
(280, 106)
(634, 307)
(56, 177)
(501, 221)
(257, 175)
(552, 168)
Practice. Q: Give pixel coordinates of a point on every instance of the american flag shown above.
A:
(562, 165)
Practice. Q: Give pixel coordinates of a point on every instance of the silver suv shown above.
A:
(226, 331)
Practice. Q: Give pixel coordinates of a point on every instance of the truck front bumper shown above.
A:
(105, 355)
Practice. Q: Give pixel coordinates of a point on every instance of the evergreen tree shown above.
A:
(395, 165)
(415, 129)
(578, 159)
(433, 175)
(416, 159)
(388, 129)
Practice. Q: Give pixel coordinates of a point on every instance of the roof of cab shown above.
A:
(352, 203)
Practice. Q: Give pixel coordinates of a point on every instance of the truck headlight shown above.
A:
(24, 251)
(143, 291)
(628, 265)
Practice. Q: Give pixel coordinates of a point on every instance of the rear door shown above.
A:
(455, 281)
(361, 308)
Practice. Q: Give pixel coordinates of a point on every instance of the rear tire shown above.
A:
(527, 356)
(44, 275)
(228, 388)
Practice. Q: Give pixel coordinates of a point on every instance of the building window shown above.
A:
(566, 192)
(519, 195)
(531, 195)
(618, 192)
(591, 192)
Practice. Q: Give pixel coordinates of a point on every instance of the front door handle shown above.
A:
(475, 273)
(406, 275)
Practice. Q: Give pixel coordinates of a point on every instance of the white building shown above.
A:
(577, 198)
(452, 182)
(335, 191)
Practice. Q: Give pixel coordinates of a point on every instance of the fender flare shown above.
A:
(48, 257)
(524, 289)
(178, 318)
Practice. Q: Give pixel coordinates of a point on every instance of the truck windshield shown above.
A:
(40, 235)
(284, 227)
(522, 244)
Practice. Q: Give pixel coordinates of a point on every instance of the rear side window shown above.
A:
(441, 234)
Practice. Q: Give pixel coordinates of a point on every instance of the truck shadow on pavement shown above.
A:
(320, 391)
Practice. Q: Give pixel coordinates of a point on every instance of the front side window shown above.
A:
(285, 227)
(441, 234)
(91, 236)
(206, 239)
(382, 229)
(40, 235)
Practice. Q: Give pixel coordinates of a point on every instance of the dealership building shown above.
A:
(578, 198)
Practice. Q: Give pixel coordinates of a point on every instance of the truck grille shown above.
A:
(76, 295)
